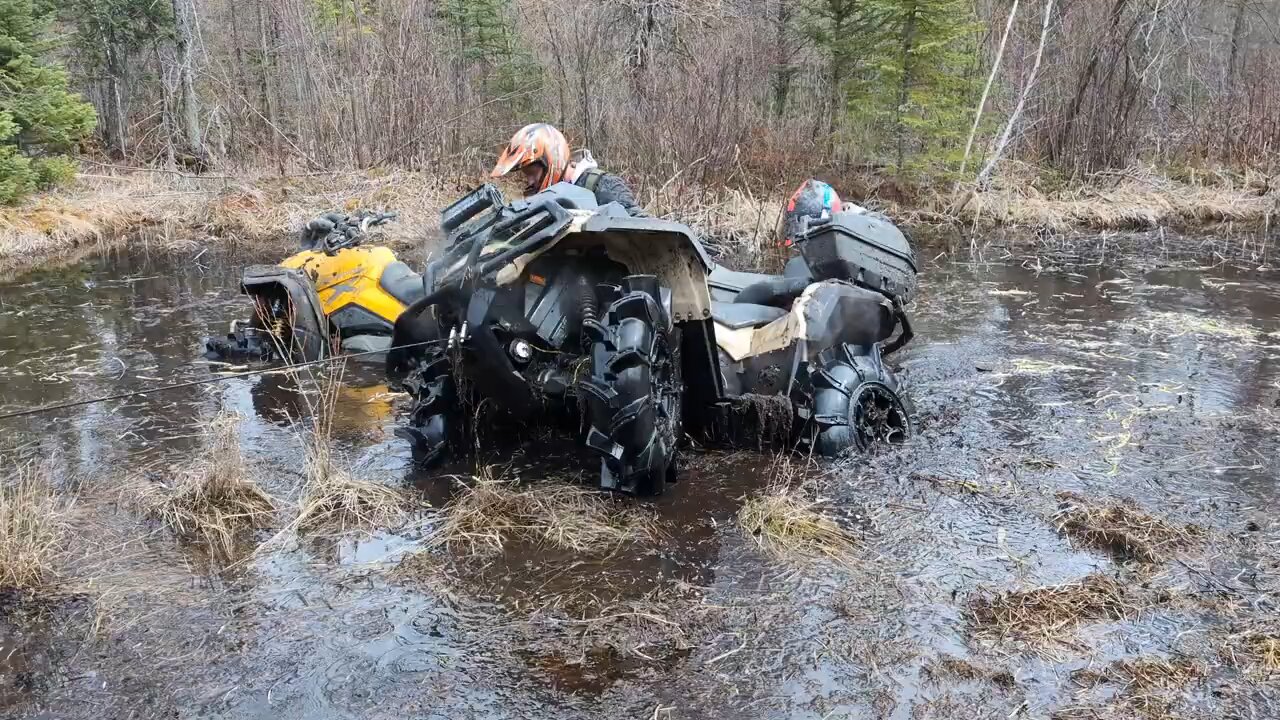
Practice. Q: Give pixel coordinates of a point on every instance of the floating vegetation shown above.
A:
(1171, 325)
(1028, 366)
(1123, 530)
(789, 525)
(1047, 614)
(489, 512)
(1255, 651)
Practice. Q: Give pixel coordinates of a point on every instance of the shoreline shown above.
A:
(102, 212)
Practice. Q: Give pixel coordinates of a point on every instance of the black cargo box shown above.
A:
(865, 249)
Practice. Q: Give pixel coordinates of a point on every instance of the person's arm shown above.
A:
(611, 188)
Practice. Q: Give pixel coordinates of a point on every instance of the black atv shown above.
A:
(554, 307)
(844, 394)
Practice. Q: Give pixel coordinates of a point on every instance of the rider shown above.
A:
(541, 154)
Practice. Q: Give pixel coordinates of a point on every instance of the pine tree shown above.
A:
(927, 79)
(41, 120)
(489, 43)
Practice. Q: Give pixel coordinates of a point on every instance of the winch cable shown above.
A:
(205, 381)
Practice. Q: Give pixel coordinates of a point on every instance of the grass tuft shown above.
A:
(33, 528)
(212, 500)
(490, 512)
(788, 525)
(1123, 530)
(1255, 652)
(1045, 614)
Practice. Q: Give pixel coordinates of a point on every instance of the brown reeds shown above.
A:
(489, 512)
(33, 527)
(1046, 614)
(211, 499)
(1122, 530)
(333, 497)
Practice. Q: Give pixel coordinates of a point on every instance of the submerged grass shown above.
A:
(489, 512)
(788, 525)
(1255, 651)
(1123, 530)
(1047, 614)
(33, 528)
(333, 498)
(213, 499)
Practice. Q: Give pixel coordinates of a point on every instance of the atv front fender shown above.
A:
(308, 329)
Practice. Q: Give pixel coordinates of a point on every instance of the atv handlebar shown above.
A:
(334, 231)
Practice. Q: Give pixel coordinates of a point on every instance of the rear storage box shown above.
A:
(864, 249)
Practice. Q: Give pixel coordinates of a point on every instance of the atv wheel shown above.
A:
(633, 398)
(855, 402)
(435, 421)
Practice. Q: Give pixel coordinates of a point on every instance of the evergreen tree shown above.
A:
(901, 73)
(927, 78)
(489, 43)
(40, 120)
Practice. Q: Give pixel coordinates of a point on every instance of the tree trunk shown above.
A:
(1234, 69)
(783, 69)
(190, 103)
(267, 96)
(904, 84)
(985, 176)
(986, 91)
(1058, 147)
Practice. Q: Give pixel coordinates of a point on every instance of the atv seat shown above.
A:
(736, 316)
(402, 283)
(722, 278)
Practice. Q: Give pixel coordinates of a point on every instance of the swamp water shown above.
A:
(1155, 384)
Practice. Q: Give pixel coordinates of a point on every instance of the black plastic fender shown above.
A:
(309, 328)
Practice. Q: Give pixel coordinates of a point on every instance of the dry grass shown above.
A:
(1123, 530)
(108, 211)
(213, 499)
(106, 207)
(33, 528)
(1254, 651)
(1138, 200)
(489, 512)
(789, 526)
(1147, 687)
(947, 667)
(338, 501)
(333, 497)
(1046, 614)
(1147, 674)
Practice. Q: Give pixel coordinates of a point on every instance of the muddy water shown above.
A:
(1152, 382)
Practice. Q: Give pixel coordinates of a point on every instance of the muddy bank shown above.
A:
(163, 210)
(1082, 528)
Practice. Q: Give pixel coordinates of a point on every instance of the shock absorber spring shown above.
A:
(588, 308)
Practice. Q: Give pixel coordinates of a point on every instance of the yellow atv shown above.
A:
(336, 295)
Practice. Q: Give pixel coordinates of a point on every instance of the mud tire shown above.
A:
(435, 422)
(634, 395)
(855, 402)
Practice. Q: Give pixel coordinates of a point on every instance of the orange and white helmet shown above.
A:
(538, 144)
